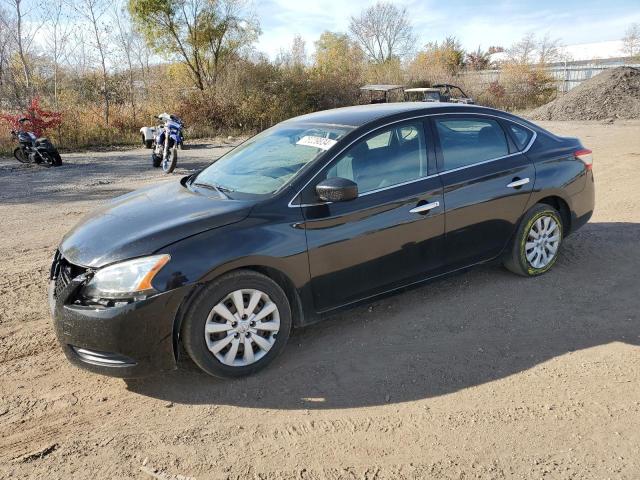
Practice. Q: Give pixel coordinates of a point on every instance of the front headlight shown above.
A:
(130, 279)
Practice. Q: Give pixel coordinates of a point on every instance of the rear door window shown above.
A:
(465, 141)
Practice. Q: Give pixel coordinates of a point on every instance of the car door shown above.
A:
(487, 182)
(391, 234)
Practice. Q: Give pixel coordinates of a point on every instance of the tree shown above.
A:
(23, 33)
(5, 45)
(126, 42)
(94, 12)
(631, 40)
(337, 54)
(299, 52)
(548, 50)
(383, 31)
(478, 60)
(338, 68)
(56, 36)
(294, 57)
(41, 120)
(203, 34)
(530, 50)
(522, 52)
(438, 61)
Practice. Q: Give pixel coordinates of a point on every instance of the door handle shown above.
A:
(518, 183)
(425, 208)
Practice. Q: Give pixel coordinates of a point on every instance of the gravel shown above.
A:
(478, 375)
(610, 95)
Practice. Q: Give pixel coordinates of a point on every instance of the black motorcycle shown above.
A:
(33, 149)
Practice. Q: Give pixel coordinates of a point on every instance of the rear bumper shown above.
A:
(133, 340)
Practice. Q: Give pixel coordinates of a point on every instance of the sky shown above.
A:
(474, 23)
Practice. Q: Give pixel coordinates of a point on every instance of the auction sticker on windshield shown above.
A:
(317, 142)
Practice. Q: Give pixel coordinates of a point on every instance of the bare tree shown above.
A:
(548, 50)
(631, 40)
(299, 52)
(23, 34)
(6, 25)
(142, 56)
(522, 52)
(125, 38)
(95, 13)
(56, 35)
(383, 31)
(530, 50)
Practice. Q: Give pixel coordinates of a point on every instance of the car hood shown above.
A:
(143, 221)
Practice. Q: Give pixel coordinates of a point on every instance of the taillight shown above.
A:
(586, 156)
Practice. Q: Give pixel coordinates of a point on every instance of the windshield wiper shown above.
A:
(224, 191)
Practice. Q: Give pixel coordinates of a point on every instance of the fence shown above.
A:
(567, 76)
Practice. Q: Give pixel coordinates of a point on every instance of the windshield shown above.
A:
(266, 162)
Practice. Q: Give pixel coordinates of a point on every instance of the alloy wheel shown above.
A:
(543, 241)
(242, 327)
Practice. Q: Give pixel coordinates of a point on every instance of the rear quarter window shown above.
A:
(521, 135)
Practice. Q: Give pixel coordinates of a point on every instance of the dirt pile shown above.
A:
(612, 94)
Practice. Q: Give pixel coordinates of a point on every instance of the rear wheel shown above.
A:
(536, 244)
(56, 159)
(156, 160)
(237, 324)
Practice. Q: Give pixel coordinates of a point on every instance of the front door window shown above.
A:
(389, 157)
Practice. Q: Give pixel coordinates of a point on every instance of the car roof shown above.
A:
(360, 115)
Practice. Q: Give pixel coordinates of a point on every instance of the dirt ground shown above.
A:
(481, 375)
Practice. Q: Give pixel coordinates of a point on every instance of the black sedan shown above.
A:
(313, 215)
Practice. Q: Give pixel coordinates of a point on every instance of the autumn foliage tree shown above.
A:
(40, 119)
(203, 35)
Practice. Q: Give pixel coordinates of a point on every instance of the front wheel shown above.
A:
(536, 244)
(170, 161)
(237, 324)
(21, 156)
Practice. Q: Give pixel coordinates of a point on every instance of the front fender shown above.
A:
(262, 243)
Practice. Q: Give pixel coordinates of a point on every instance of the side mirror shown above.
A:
(337, 189)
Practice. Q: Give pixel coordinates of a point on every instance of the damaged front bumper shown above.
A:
(131, 340)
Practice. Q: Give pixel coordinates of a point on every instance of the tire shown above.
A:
(18, 153)
(169, 165)
(148, 143)
(201, 313)
(57, 159)
(528, 256)
(156, 160)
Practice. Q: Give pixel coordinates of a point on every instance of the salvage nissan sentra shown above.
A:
(315, 214)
